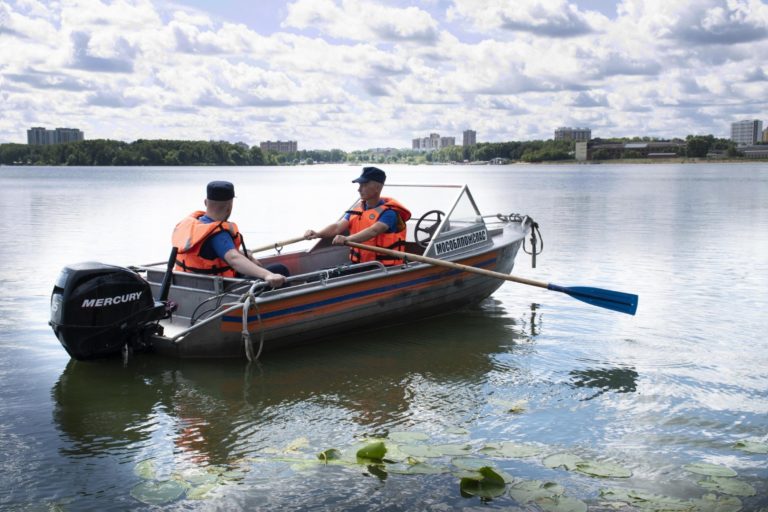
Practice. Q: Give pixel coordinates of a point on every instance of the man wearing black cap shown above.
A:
(375, 220)
(208, 244)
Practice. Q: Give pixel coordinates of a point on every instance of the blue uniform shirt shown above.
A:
(218, 245)
(388, 217)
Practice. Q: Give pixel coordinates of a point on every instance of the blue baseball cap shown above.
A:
(371, 174)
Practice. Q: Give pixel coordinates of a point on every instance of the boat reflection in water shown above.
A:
(369, 383)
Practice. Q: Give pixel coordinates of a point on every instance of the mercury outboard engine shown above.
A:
(97, 309)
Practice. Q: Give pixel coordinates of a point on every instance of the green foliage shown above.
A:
(140, 152)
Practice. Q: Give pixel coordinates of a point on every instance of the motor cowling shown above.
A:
(96, 309)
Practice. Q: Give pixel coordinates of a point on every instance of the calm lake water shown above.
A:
(682, 382)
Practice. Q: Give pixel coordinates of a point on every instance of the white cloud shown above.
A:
(554, 18)
(355, 73)
(361, 20)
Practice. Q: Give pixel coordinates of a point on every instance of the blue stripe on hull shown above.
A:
(351, 296)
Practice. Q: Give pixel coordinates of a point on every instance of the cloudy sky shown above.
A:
(356, 74)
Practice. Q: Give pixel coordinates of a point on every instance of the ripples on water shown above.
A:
(678, 383)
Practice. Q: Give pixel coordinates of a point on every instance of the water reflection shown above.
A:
(620, 380)
(215, 412)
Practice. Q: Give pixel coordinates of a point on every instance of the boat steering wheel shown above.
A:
(433, 218)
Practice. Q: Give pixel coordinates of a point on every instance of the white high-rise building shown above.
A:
(40, 136)
(432, 143)
(747, 132)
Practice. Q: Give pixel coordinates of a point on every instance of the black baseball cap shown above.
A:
(371, 174)
(220, 191)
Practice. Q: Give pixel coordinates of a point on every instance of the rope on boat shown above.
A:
(250, 299)
(536, 238)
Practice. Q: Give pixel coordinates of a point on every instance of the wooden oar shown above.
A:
(278, 245)
(274, 245)
(608, 299)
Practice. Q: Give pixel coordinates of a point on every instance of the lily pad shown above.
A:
(374, 451)
(487, 485)
(407, 437)
(329, 454)
(751, 446)
(199, 477)
(562, 504)
(469, 463)
(517, 407)
(512, 450)
(714, 503)
(452, 449)
(731, 486)
(458, 431)
(145, 469)
(564, 460)
(703, 468)
(532, 490)
(200, 492)
(153, 492)
(646, 500)
(419, 468)
(296, 445)
(423, 450)
(603, 469)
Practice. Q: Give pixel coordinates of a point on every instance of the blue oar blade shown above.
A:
(608, 299)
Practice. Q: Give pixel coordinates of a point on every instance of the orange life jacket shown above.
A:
(360, 219)
(190, 234)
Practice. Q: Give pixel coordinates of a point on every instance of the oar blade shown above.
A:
(608, 299)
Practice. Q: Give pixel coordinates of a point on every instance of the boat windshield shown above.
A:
(451, 205)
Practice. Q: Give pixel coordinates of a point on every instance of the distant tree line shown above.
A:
(179, 152)
(140, 152)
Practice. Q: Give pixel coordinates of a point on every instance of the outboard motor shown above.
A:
(96, 309)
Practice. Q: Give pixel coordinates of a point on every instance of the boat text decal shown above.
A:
(460, 242)
(111, 301)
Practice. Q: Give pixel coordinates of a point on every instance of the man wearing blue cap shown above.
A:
(374, 220)
(208, 243)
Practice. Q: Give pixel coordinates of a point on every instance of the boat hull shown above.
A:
(293, 317)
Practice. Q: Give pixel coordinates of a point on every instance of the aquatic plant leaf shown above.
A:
(561, 504)
(198, 477)
(469, 463)
(419, 468)
(489, 485)
(452, 449)
(646, 500)
(714, 503)
(730, 486)
(153, 492)
(372, 451)
(419, 450)
(751, 446)
(458, 431)
(329, 454)
(516, 407)
(527, 491)
(232, 475)
(145, 469)
(564, 460)
(296, 445)
(407, 437)
(703, 468)
(200, 492)
(603, 469)
(440, 450)
(512, 450)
